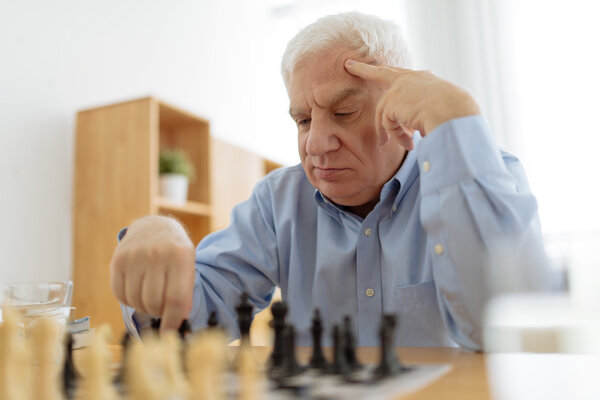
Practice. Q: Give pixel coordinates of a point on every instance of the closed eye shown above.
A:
(343, 114)
(303, 122)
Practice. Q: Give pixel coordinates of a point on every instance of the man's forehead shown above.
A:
(325, 98)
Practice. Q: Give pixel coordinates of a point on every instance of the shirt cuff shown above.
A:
(457, 150)
(135, 322)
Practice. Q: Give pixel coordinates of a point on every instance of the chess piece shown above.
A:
(22, 372)
(213, 321)
(389, 364)
(140, 371)
(244, 312)
(317, 360)
(155, 325)
(279, 311)
(290, 365)
(175, 385)
(44, 342)
(125, 344)
(184, 329)
(15, 359)
(350, 345)
(70, 376)
(249, 375)
(206, 362)
(338, 366)
(97, 381)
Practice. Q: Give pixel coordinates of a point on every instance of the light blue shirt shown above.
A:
(422, 253)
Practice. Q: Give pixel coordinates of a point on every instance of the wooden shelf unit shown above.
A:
(116, 182)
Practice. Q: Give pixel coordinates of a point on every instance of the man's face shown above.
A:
(335, 115)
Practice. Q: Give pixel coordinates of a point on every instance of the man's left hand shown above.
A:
(413, 100)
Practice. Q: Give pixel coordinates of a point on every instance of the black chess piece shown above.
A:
(244, 312)
(389, 364)
(155, 324)
(125, 343)
(338, 365)
(279, 311)
(184, 329)
(317, 360)
(69, 373)
(290, 363)
(350, 345)
(213, 321)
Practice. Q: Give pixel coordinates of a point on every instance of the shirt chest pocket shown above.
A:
(420, 322)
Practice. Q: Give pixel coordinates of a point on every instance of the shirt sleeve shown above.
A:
(242, 258)
(481, 220)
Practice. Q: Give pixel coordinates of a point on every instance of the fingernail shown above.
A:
(349, 62)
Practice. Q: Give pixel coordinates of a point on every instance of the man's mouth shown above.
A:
(327, 173)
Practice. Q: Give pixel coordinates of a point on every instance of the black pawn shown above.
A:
(290, 364)
(279, 311)
(244, 312)
(213, 321)
(350, 345)
(184, 329)
(155, 325)
(338, 366)
(125, 342)
(317, 359)
(70, 374)
(389, 364)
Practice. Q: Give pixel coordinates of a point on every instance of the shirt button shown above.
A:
(368, 231)
(438, 248)
(370, 292)
(426, 166)
(394, 208)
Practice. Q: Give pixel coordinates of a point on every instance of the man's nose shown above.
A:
(322, 137)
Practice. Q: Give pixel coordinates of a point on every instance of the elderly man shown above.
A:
(398, 206)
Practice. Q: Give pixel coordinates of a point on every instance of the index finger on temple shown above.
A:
(376, 73)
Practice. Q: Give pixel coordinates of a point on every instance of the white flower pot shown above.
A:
(174, 187)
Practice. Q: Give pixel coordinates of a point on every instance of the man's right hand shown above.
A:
(152, 270)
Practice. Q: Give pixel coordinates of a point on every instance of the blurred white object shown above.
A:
(543, 376)
(567, 322)
(174, 187)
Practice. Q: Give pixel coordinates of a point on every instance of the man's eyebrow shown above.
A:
(343, 95)
(338, 98)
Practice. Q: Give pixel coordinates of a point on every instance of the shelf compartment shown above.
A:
(190, 207)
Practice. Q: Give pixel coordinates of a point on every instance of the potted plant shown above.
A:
(175, 172)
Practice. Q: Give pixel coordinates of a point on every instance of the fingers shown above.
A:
(133, 286)
(179, 287)
(117, 280)
(152, 292)
(381, 74)
(388, 124)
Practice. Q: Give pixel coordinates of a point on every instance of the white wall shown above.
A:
(57, 57)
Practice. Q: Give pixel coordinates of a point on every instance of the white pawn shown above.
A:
(44, 344)
(207, 361)
(141, 366)
(249, 375)
(95, 365)
(175, 383)
(15, 360)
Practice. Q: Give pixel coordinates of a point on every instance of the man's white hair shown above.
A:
(369, 35)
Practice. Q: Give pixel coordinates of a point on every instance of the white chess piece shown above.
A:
(143, 382)
(175, 384)
(249, 375)
(44, 344)
(206, 362)
(95, 365)
(15, 359)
